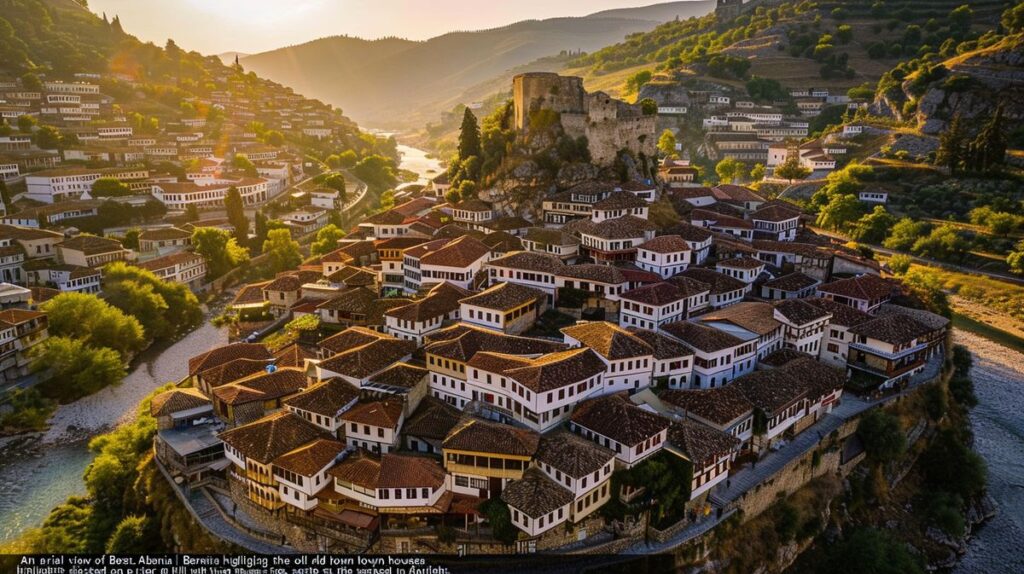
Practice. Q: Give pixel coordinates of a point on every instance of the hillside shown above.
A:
(373, 81)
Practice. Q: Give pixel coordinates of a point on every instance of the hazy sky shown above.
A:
(215, 26)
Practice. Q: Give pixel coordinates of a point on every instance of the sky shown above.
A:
(251, 26)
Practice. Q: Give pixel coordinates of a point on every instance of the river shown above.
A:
(998, 423)
(31, 486)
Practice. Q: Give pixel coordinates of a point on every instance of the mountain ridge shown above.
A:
(372, 80)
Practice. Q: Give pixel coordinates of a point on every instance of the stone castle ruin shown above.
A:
(609, 125)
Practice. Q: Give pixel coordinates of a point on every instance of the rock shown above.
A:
(574, 173)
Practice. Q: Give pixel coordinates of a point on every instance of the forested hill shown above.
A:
(800, 44)
(391, 80)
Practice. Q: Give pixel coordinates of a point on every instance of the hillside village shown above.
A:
(505, 359)
(470, 370)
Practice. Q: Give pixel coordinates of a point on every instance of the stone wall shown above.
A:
(545, 90)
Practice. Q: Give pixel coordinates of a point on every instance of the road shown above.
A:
(925, 260)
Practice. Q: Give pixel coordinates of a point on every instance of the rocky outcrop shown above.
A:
(975, 85)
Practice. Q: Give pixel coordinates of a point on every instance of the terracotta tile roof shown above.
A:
(756, 317)
(442, 299)
(625, 227)
(371, 358)
(507, 223)
(325, 398)
(502, 242)
(223, 354)
(472, 205)
(842, 315)
(665, 244)
(351, 338)
(43, 294)
(927, 318)
(232, 371)
(400, 375)
(177, 400)
(819, 379)
(337, 256)
(549, 236)
(615, 417)
(390, 471)
(504, 297)
(385, 414)
(689, 286)
(776, 213)
(864, 287)
(164, 234)
(556, 370)
(656, 294)
(737, 193)
(390, 217)
(454, 230)
(689, 232)
(800, 312)
(572, 454)
(352, 276)
(792, 282)
(781, 357)
(403, 242)
(771, 390)
(460, 342)
(610, 341)
(359, 249)
(477, 435)
(364, 302)
(535, 494)
(719, 282)
(284, 283)
(741, 263)
(665, 348)
(170, 260)
(701, 337)
(893, 329)
(620, 200)
(461, 252)
(266, 439)
(702, 444)
(310, 459)
(263, 386)
(530, 261)
(433, 419)
(19, 316)
(721, 406)
(607, 274)
(293, 355)
(249, 294)
(91, 244)
(720, 219)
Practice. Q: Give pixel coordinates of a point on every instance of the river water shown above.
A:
(414, 159)
(998, 423)
(31, 485)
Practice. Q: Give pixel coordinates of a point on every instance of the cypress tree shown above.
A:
(236, 215)
(990, 143)
(469, 136)
(952, 145)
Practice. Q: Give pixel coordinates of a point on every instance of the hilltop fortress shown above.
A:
(609, 125)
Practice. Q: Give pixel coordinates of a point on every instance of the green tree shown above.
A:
(236, 215)
(840, 211)
(729, 170)
(133, 535)
(873, 227)
(926, 286)
(944, 242)
(74, 368)
(648, 106)
(93, 321)
(376, 171)
(326, 240)
(348, 159)
(637, 81)
(950, 465)
(904, 234)
(274, 138)
(131, 239)
(191, 212)
(667, 143)
(952, 142)
(221, 251)
(283, 251)
(899, 264)
(959, 20)
(757, 172)
(882, 436)
(1012, 19)
(469, 136)
(26, 123)
(240, 162)
(5, 197)
(165, 309)
(47, 137)
(1015, 260)
(110, 187)
(31, 82)
(989, 147)
(791, 169)
(260, 228)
